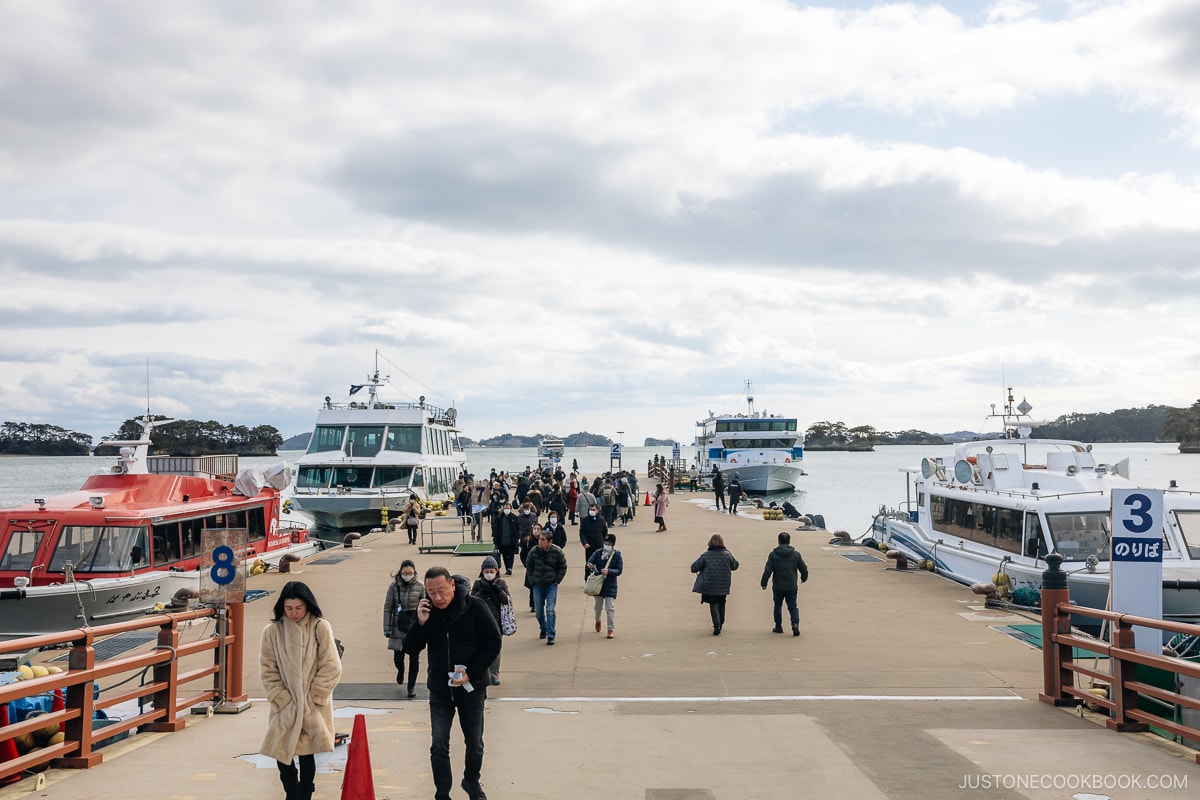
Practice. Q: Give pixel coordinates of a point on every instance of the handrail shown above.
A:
(162, 690)
(1059, 668)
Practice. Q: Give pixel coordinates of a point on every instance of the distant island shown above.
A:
(193, 437)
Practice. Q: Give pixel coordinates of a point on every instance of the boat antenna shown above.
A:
(750, 396)
(147, 388)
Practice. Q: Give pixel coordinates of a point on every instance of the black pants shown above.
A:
(293, 782)
(720, 499)
(716, 609)
(414, 667)
(469, 707)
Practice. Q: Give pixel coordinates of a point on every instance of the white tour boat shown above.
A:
(764, 451)
(1001, 505)
(371, 451)
(550, 446)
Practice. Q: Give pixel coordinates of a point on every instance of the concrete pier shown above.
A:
(901, 685)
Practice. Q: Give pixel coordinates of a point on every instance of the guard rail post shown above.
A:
(79, 695)
(166, 674)
(234, 652)
(1124, 676)
(1055, 657)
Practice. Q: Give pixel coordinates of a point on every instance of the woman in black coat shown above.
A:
(714, 579)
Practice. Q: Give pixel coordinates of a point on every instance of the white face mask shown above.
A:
(607, 549)
(489, 575)
(591, 512)
(508, 511)
(554, 520)
(526, 512)
(407, 577)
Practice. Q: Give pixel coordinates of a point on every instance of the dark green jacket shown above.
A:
(545, 567)
(782, 565)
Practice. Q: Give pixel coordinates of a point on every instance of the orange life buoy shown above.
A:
(787, 460)
(732, 460)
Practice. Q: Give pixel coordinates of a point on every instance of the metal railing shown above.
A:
(1059, 667)
(161, 699)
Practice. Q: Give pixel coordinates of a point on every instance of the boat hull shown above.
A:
(335, 515)
(765, 478)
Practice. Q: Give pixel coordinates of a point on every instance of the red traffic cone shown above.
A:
(57, 704)
(647, 499)
(357, 783)
(8, 748)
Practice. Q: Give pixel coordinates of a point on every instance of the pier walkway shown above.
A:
(901, 686)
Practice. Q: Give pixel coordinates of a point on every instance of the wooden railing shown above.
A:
(1059, 668)
(164, 691)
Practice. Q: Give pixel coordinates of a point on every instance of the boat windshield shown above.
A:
(99, 548)
(403, 438)
(365, 440)
(352, 477)
(23, 545)
(326, 437)
(1189, 525)
(1077, 536)
(313, 477)
(392, 476)
(760, 444)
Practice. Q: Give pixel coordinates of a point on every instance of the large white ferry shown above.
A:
(1001, 505)
(550, 446)
(371, 450)
(764, 451)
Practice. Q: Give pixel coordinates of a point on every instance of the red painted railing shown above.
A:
(1059, 668)
(162, 696)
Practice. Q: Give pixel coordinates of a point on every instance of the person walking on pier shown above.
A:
(783, 565)
(299, 666)
(735, 493)
(545, 569)
(592, 529)
(608, 562)
(463, 640)
(506, 535)
(492, 590)
(718, 484)
(399, 613)
(714, 579)
(660, 507)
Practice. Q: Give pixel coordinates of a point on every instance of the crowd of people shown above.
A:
(460, 623)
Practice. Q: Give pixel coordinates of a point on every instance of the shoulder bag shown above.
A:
(595, 582)
(508, 620)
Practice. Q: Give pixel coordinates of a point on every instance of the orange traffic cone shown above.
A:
(357, 783)
(8, 748)
(57, 704)
(647, 499)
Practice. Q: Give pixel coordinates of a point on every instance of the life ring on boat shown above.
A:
(732, 460)
(787, 460)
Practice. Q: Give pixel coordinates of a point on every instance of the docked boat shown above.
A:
(370, 453)
(550, 447)
(999, 506)
(132, 537)
(764, 451)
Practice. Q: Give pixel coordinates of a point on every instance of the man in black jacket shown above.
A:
(545, 568)
(783, 564)
(592, 529)
(463, 640)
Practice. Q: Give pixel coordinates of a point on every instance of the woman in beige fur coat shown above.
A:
(299, 666)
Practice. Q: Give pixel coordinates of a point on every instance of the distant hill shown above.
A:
(650, 442)
(192, 437)
(582, 439)
(26, 439)
(298, 442)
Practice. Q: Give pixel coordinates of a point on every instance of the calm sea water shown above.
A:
(847, 488)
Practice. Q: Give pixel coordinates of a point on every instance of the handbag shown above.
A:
(508, 620)
(595, 582)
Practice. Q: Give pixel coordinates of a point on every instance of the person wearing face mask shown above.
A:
(493, 591)
(545, 568)
(399, 611)
(506, 536)
(557, 531)
(584, 500)
(526, 519)
(591, 533)
(608, 562)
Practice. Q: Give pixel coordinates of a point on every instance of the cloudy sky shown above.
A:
(563, 216)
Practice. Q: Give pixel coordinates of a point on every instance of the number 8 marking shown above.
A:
(223, 570)
(1139, 506)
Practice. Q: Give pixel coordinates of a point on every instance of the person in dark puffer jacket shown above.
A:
(783, 565)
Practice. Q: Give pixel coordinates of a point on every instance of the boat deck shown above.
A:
(901, 686)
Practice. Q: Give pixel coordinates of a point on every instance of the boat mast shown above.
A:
(750, 398)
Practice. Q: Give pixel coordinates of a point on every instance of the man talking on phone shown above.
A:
(463, 640)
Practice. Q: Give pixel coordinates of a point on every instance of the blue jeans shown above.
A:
(544, 598)
(790, 597)
(470, 718)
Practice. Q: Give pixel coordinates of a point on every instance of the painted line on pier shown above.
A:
(900, 698)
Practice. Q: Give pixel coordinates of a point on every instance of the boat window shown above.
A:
(314, 477)
(403, 438)
(326, 437)
(1077, 536)
(353, 477)
(392, 476)
(164, 539)
(23, 545)
(99, 548)
(418, 477)
(455, 444)
(990, 525)
(1035, 542)
(364, 440)
(1189, 525)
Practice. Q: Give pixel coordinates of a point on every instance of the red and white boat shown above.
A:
(129, 540)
